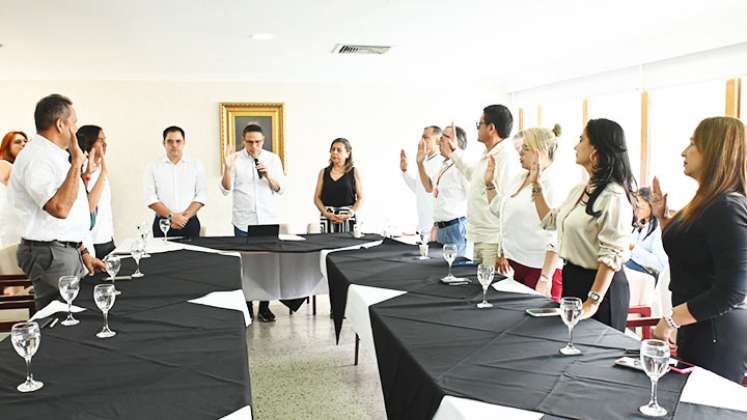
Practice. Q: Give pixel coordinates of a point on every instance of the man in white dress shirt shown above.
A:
(176, 187)
(255, 176)
(47, 188)
(483, 227)
(431, 163)
(449, 189)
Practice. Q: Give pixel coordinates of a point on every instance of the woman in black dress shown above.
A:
(707, 247)
(338, 193)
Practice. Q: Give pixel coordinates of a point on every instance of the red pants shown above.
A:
(530, 276)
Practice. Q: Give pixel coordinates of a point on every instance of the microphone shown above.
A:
(256, 162)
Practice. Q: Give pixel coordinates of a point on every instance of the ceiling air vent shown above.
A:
(360, 49)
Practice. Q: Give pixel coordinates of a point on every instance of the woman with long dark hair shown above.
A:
(92, 141)
(339, 193)
(593, 224)
(647, 252)
(707, 247)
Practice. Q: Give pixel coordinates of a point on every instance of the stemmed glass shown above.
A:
(144, 234)
(104, 295)
(655, 361)
(165, 225)
(570, 313)
(113, 264)
(69, 288)
(137, 250)
(423, 248)
(485, 273)
(449, 252)
(25, 337)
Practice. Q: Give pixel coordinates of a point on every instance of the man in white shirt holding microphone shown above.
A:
(256, 178)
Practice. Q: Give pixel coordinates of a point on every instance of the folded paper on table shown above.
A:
(226, 300)
(54, 307)
(455, 408)
(513, 286)
(289, 237)
(706, 388)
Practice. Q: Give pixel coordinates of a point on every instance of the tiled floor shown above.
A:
(298, 372)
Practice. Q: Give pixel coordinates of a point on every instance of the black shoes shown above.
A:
(266, 315)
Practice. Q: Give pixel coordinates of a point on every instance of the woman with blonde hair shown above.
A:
(524, 247)
(707, 247)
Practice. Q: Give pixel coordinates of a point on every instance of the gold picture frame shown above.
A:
(234, 116)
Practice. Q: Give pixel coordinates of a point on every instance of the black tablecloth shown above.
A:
(433, 342)
(393, 265)
(312, 243)
(169, 360)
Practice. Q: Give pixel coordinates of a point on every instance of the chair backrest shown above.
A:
(8, 264)
(263, 231)
(313, 228)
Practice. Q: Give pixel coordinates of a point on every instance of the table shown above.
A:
(440, 358)
(170, 359)
(283, 268)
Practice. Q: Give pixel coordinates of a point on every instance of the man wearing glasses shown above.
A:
(176, 187)
(255, 176)
(483, 230)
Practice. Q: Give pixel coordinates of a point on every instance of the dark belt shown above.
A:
(63, 244)
(442, 225)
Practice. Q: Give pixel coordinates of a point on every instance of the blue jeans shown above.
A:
(263, 305)
(454, 234)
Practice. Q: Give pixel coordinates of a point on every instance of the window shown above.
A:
(569, 114)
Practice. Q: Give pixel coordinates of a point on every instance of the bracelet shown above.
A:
(670, 321)
(536, 189)
(490, 188)
(545, 277)
(84, 252)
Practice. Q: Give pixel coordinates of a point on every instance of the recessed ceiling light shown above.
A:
(263, 36)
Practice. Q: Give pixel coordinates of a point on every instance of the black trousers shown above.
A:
(102, 250)
(613, 310)
(190, 230)
(717, 344)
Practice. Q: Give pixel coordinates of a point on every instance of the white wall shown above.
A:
(379, 119)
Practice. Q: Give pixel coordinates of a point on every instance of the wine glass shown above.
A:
(655, 361)
(104, 295)
(165, 225)
(69, 288)
(449, 252)
(25, 337)
(145, 233)
(570, 313)
(485, 273)
(137, 250)
(113, 264)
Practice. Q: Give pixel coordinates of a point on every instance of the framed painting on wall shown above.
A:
(234, 116)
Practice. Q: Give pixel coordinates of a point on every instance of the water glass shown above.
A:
(137, 250)
(423, 248)
(449, 252)
(113, 264)
(655, 362)
(69, 287)
(570, 313)
(104, 296)
(164, 225)
(25, 337)
(485, 274)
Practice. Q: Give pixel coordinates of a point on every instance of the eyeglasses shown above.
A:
(479, 123)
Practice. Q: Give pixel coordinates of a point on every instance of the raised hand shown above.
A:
(402, 160)
(77, 156)
(420, 157)
(658, 201)
(535, 170)
(229, 158)
(490, 172)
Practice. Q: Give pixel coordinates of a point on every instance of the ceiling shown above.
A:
(509, 43)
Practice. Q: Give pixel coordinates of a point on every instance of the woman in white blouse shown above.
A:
(593, 224)
(524, 246)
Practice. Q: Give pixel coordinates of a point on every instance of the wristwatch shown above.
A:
(595, 297)
(170, 216)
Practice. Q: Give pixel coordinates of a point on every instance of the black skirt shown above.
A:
(613, 310)
(717, 344)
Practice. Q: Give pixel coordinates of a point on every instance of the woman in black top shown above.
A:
(338, 193)
(707, 247)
